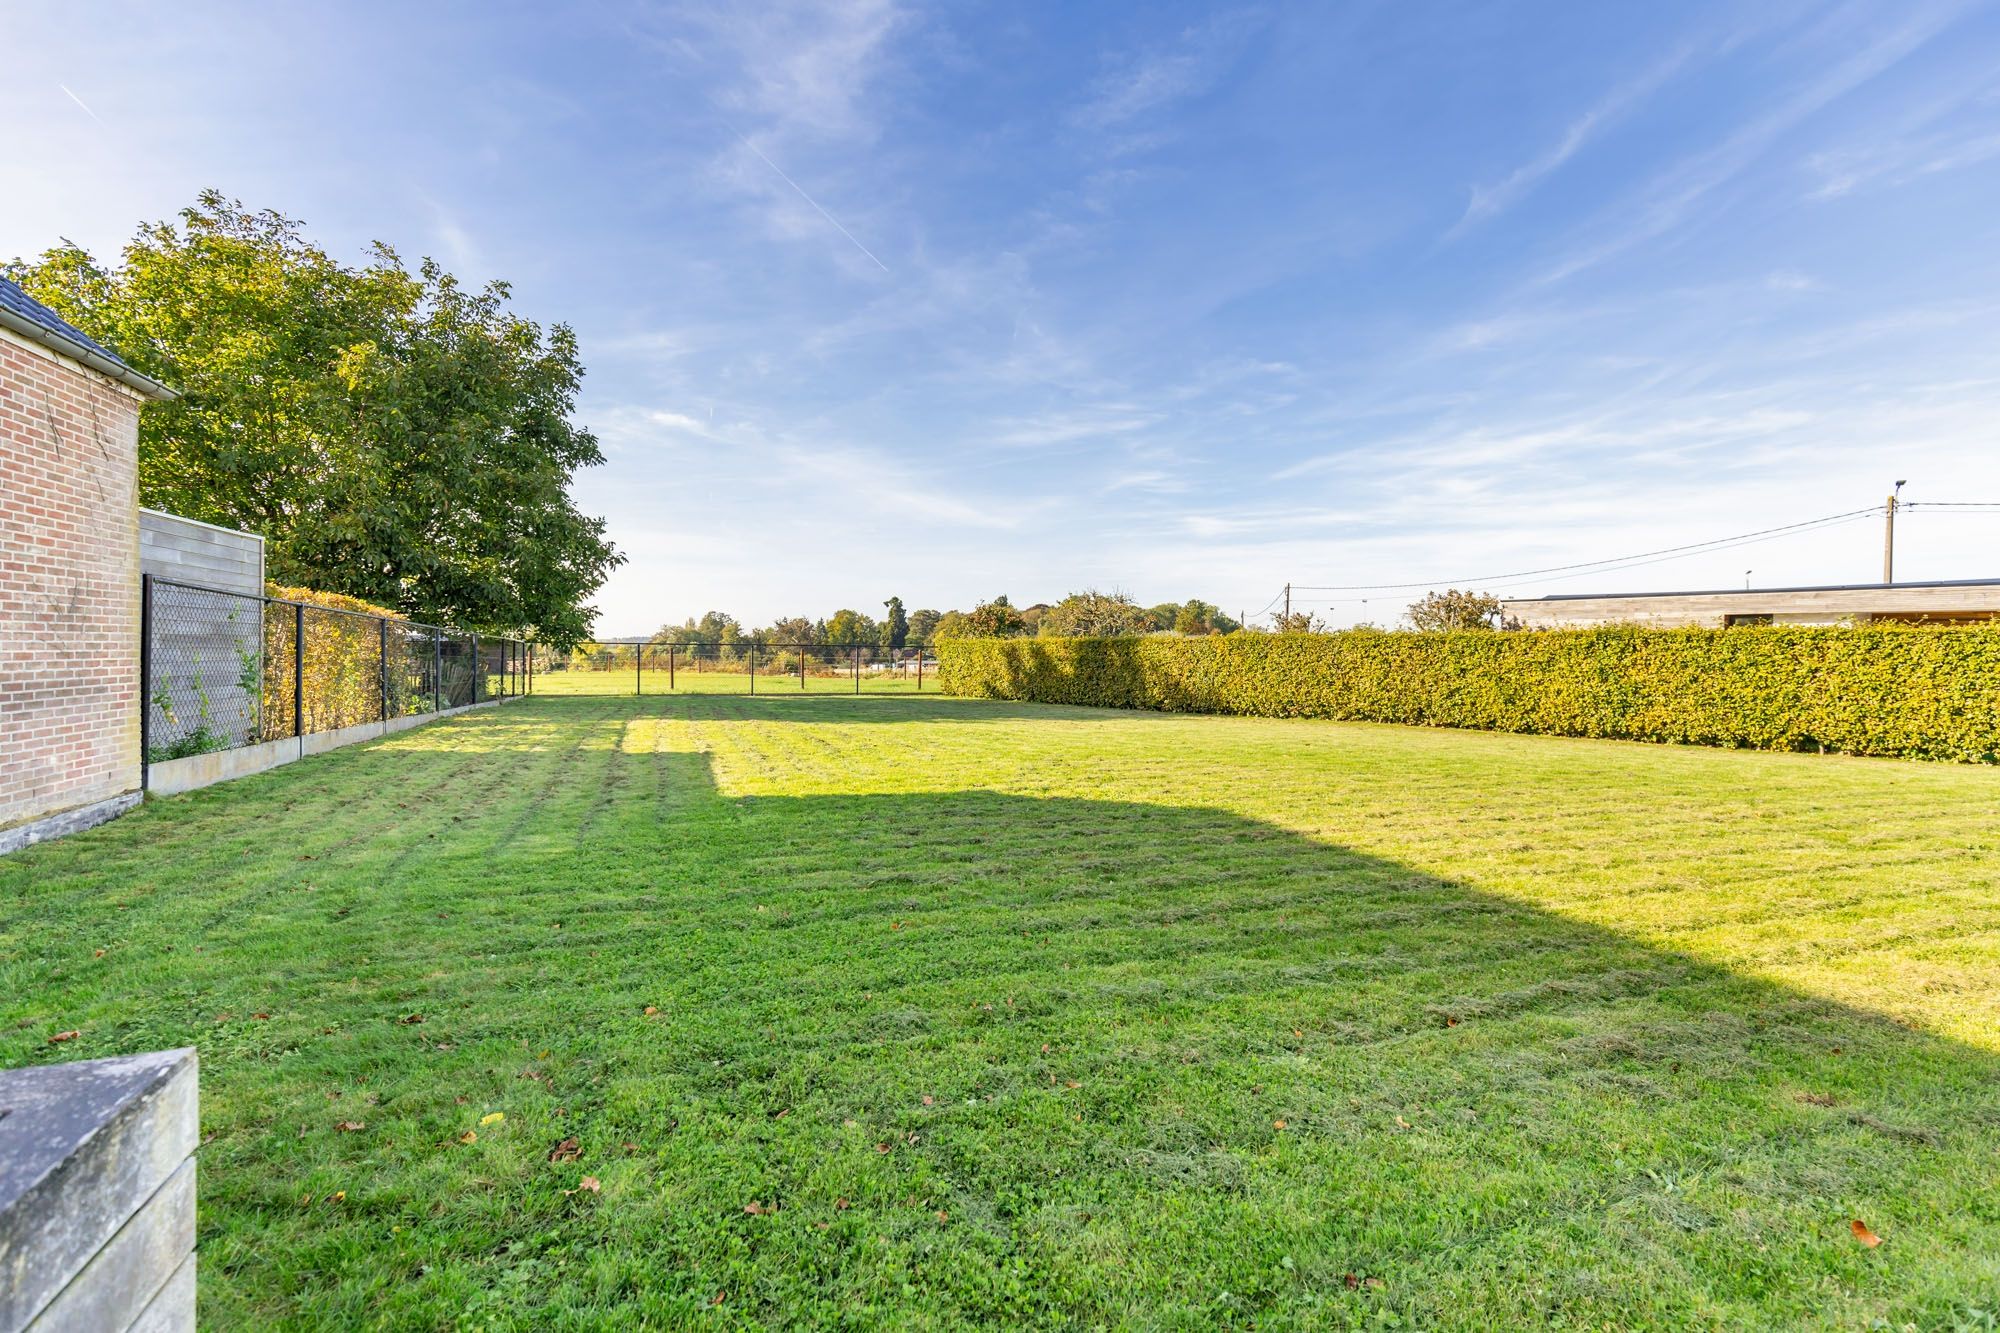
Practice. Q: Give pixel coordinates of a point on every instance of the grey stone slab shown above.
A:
(121, 1279)
(82, 1147)
(66, 822)
(172, 1311)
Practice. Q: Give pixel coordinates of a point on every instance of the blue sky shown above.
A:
(1181, 300)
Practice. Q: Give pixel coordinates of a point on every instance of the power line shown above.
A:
(1600, 566)
(1635, 563)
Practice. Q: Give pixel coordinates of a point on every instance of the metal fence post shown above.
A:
(920, 668)
(298, 669)
(437, 670)
(145, 680)
(802, 666)
(638, 668)
(478, 668)
(753, 666)
(670, 667)
(382, 626)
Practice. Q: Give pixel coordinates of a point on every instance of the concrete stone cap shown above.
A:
(49, 1112)
(82, 1147)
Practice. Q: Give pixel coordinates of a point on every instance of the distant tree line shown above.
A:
(1087, 614)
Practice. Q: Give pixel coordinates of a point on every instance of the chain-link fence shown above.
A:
(745, 666)
(221, 670)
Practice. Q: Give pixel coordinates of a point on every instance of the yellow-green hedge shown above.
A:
(1910, 691)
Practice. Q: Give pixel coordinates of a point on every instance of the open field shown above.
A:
(930, 1012)
(704, 681)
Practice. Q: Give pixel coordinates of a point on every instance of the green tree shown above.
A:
(996, 619)
(1453, 609)
(792, 630)
(850, 628)
(394, 436)
(1093, 614)
(896, 626)
(924, 626)
(952, 625)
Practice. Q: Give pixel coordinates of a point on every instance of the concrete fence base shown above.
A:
(65, 822)
(97, 1194)
(172, 776)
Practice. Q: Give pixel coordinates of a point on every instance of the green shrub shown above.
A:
(1911, 691)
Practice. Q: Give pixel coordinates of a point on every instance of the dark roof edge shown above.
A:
(1756, 592)
(103, 364)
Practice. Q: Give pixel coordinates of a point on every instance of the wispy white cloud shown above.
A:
(80, 102)
(1672, 197)
(1489, 201)
(1125, 101)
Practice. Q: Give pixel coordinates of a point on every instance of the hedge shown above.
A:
(1920, 692)
(343, 661)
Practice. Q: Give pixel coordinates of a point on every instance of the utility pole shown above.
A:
(1889, 536)
(1288, 605)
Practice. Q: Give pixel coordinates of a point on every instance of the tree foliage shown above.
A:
(1093, 614)
(895, 627)
(1453, 609)
(392, 434)
(997, 619)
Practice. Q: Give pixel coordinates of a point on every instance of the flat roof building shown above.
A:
(1955, 602)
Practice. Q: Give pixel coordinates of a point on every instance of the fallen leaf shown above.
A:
(1277, 1124)
(1376, 1283)
(1072, 1084)
(1863, 1234)
(720, 1297)
(305, 1200)
(261, 1017)
(929, 1100)
(470, 1136)
(942, 1215)
(1352, 1280)
(1450, 1021)
(98, 954)
(349, 1126)
(589, 1183)
(70, 1035)
(841, 1204)
(338, 1196)
(652, 1009)
(756, 1209)
(882, 1147)
(1402, 1123)
(566, 1151)
(413, 1018)
(492, 1117)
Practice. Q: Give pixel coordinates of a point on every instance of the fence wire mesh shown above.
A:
(747, 666)
(225, 669)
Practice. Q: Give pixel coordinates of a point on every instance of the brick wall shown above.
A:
(69, 585)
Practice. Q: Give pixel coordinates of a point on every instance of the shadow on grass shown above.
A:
(981, 1058)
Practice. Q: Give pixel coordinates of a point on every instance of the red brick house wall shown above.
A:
(69, 585)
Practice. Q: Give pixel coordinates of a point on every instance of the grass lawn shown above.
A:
(928, 1012)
